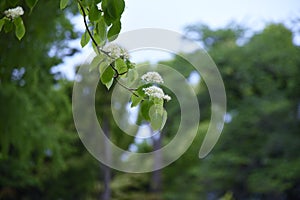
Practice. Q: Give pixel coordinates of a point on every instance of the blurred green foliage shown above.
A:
(257, 155)
(41, 156)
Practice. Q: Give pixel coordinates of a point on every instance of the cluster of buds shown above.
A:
(13, 13)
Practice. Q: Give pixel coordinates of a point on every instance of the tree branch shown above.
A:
(86, 25)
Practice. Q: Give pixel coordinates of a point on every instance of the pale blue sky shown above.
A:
(176, 14)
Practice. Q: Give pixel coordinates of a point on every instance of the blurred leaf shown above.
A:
(103, 65)
(94, 13)
(85, 38)
(114, 30)
(120, 66)
(97, 60)
(63, 4)
(145, 107)
(31, 4)
(132, 76)
(2, 21)
(8, 26)
(112, 9)
(20, 28)
(115, 8)
(101, 30)
(158, 117)
(135, 100)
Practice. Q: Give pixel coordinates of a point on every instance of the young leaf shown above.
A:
(2, 21)
(158, 101)
(130, 65)
(121, 66)
(135, 100)
(109, 84)
(107, 75)
(158, 117)
(20, 28)
(85, 38)
(63, 4)
(140, 90)
(114, 30)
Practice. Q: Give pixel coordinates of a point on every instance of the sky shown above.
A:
(176, 14)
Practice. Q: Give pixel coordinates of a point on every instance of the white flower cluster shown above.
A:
(154, 91)
(152, 77)
(116, 51)
(14, 12)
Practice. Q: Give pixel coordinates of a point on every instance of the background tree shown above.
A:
(38, 155)
(256, 156)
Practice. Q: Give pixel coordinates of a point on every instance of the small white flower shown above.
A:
(99, 6)
(152, 77)
(156, 92)
(116, 51)
(167, 97)
(14, 12)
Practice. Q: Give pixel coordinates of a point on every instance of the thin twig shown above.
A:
(86, 25)
(127, 88)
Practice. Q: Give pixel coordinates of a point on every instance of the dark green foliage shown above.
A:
(41, 156)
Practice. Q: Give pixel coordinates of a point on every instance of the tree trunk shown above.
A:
(105, 169)
(156, 181)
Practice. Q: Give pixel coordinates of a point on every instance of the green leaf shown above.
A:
(158, 101)
(120, 66)
(94, 14)
(130, 65)
(85, 38)
(135, 100)
(2, 21)
(115, 8)
(140, 90)
(108, 20)
(63, 4)
(107, 75)
(114, 30)
(132, 76)
(103, 65)
(31, 4)
(101, 30)
(145, 107)
(96, 61)
(109, 84)
(158, 117)
(8, 26)
(20, 28)
(87, 3)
